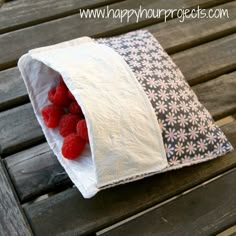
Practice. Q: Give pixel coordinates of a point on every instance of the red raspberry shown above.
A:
(82, 130)
(59, 95)
(74, 108)
(68, 124)
(70, 95)
(52, 115)
(72, 146)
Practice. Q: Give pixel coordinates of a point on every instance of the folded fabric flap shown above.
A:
(125, 138)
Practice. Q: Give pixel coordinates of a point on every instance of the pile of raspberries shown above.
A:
(66, 114)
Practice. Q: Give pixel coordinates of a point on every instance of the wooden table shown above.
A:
(36, 195)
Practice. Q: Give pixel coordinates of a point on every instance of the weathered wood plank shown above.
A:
(27, 12)
(74, 26)
(175, 36)
(205, 62)
(193, 31)
(12, 219)
(1, 2)
(112, 205)
(208, 60)
(12, 89)
(19, 129)
(35, 161)
(205, 210)
(211, 94)
(36, 171)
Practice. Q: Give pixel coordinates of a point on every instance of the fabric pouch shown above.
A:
(142, 116)
(125, 138)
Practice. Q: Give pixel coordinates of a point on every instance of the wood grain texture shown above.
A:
(187, 34)
(176, 36)
(12, 89)
(115, 204)
(1, 2)
(36, 171)
(203, 211)
(207, 61)
(12, 220)
(19, 129)
(74, 26)
(211, 94)
(27, 12)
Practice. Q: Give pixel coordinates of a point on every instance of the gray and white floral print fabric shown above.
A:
(188, 130)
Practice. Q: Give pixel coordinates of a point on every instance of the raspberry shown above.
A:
(74, 108)
(82, 130)
(59, 95)
(70, 95)
(72, 146)
(68, 124)
(52, 115)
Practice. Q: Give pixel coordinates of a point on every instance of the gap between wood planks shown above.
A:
(12, 217)
(29, 37)
(196, 68)
(221, 122)
(122, 203)
(164, 202)
(19, 23)
(52, 193)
